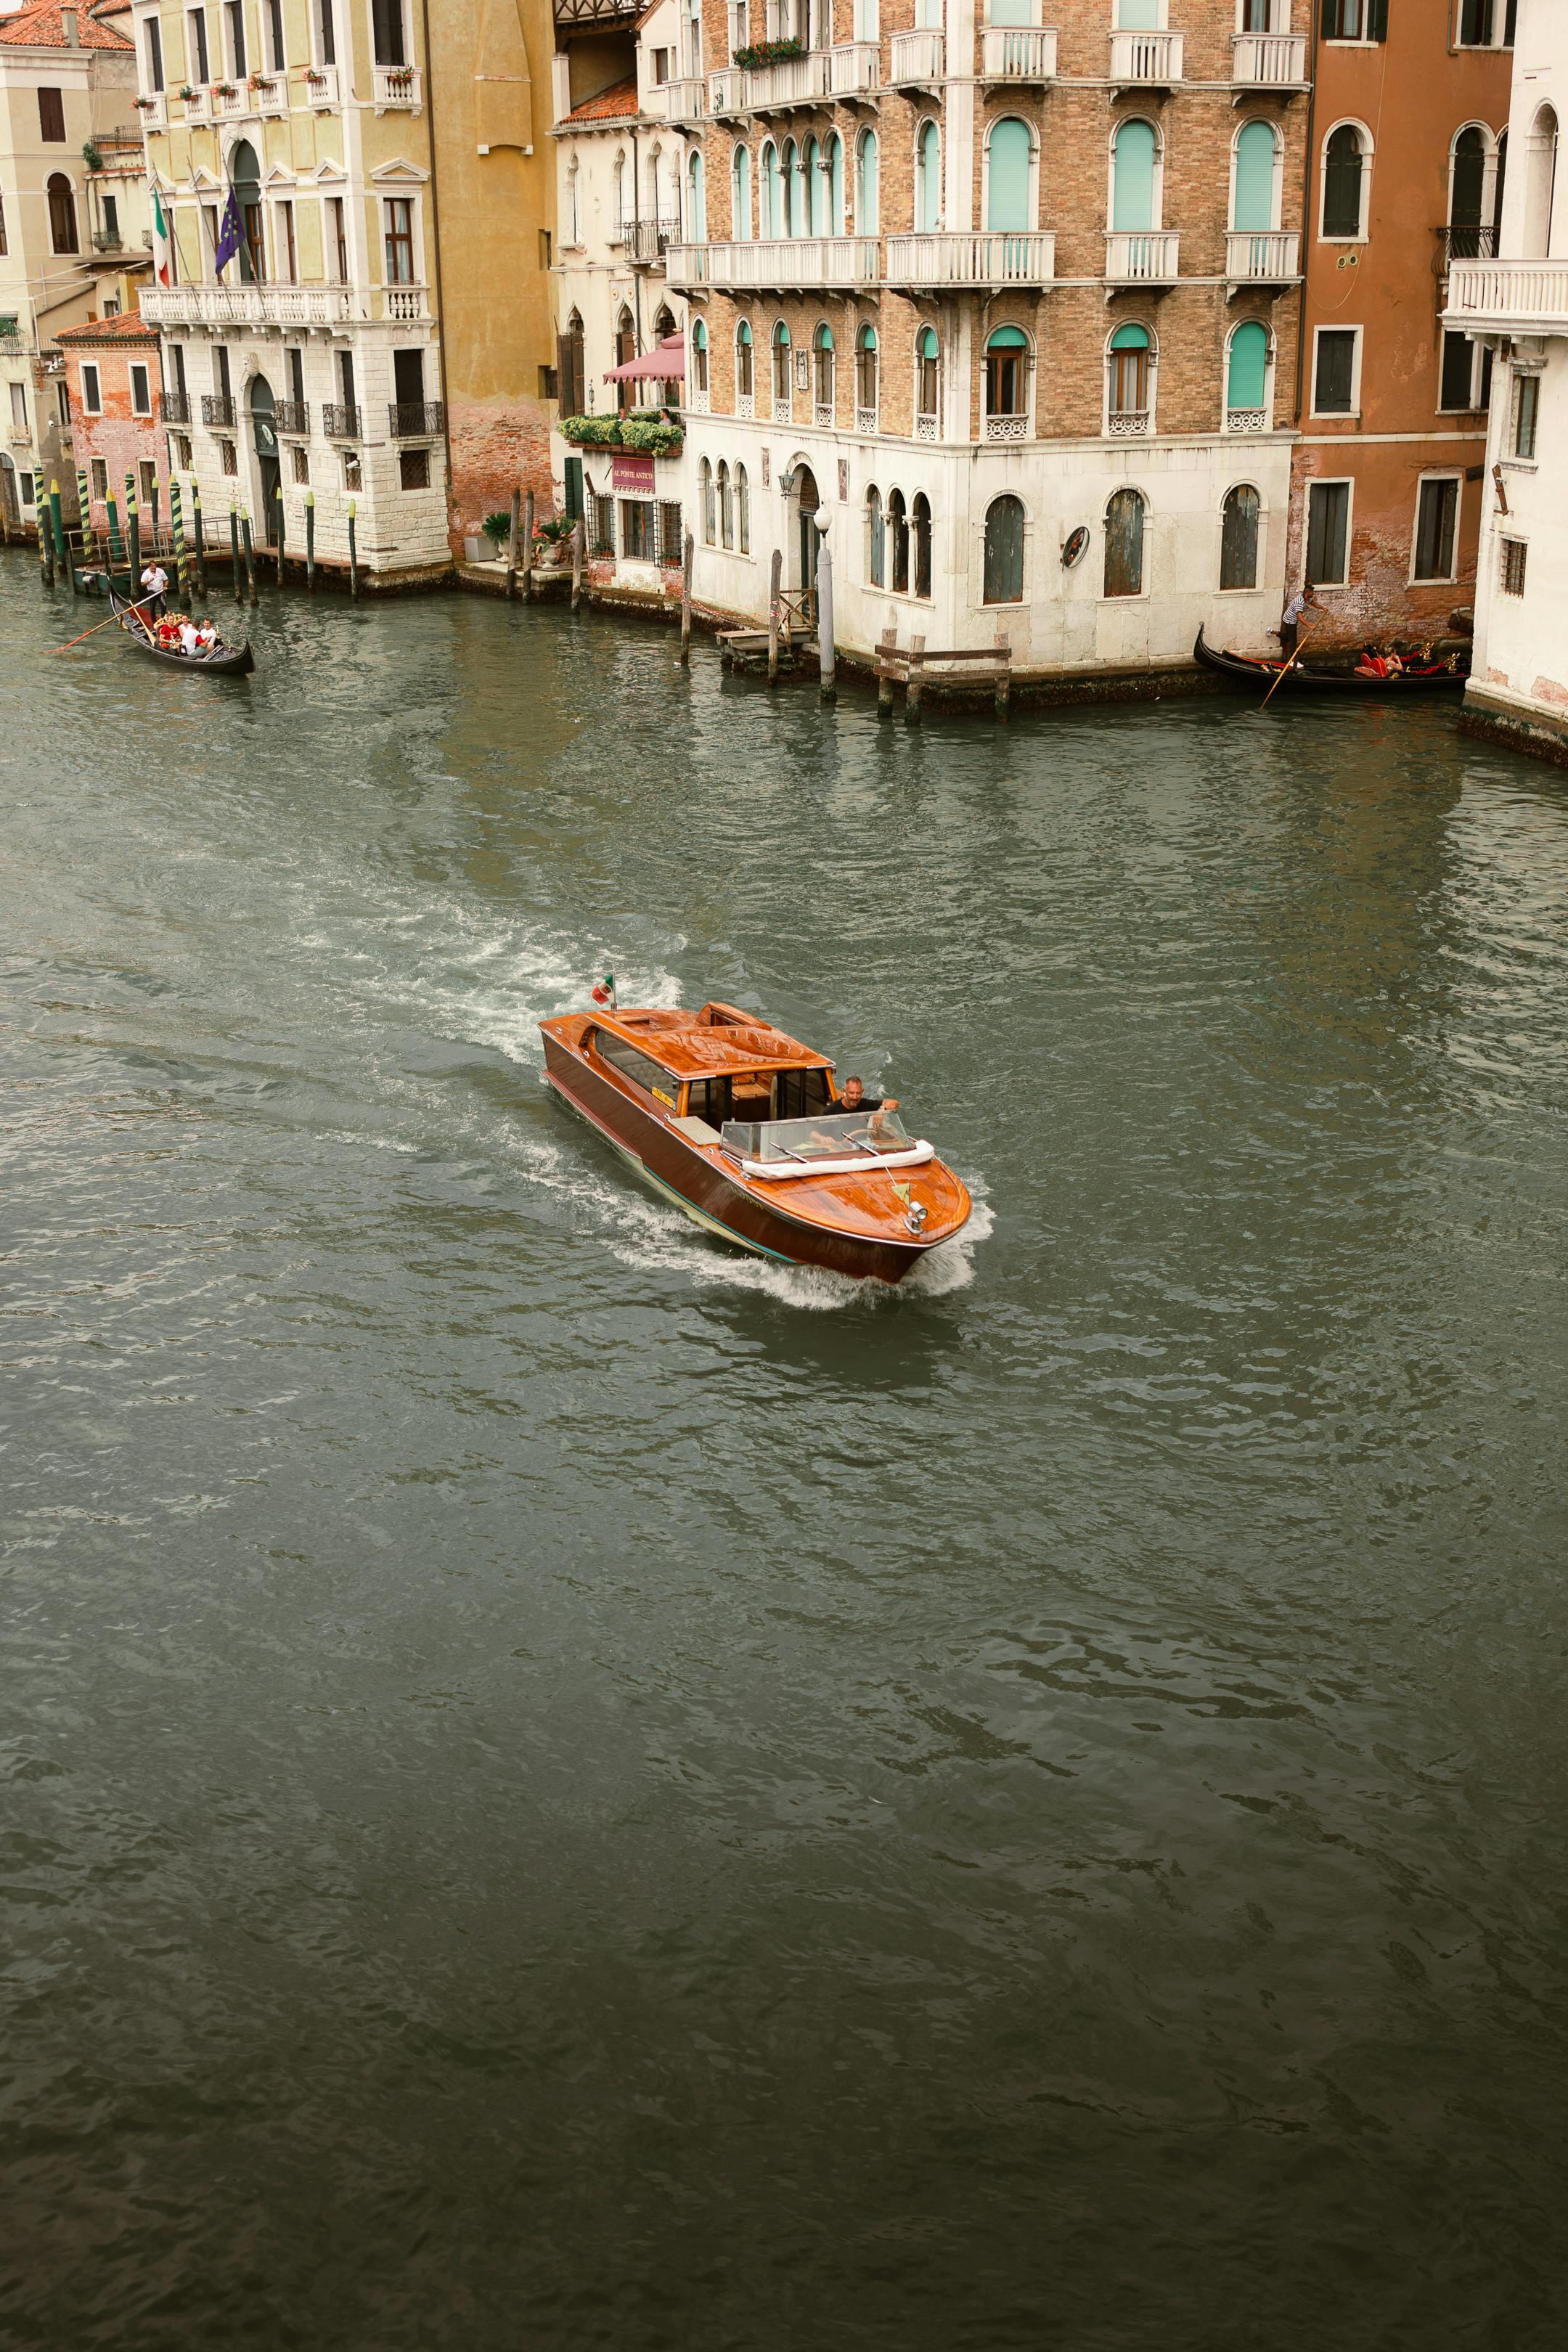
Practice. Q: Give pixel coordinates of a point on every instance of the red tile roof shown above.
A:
(620, 99)
(129, 327)
(40, 27)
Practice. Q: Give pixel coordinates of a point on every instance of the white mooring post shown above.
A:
(825, 609)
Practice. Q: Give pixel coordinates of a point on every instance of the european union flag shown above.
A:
(230, 235)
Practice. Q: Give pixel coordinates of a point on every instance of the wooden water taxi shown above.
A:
(743, 1129)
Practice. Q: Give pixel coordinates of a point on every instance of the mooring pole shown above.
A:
(233, 550)
(824, 652)
(886, 650)
(57, 524)
(45, 542)
(686, 554)
(133, 533)
(311, 542)
(353, 550)
(912, 692)
(527, 549)
(774, 577)
(155, 506)
(577, 537)
(1004, 675)
(177, 542)
(200, 535)
(280, 528)
(249, 555)
(84, 513)
(116, 547)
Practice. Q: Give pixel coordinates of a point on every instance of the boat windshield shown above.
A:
(849, 1135)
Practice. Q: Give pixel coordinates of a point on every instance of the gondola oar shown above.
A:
(106, 625)
(1284, 673)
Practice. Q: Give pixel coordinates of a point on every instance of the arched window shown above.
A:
(927, 176)
(663, 322)
(866, 192)
(744, 381)
(726, 507)
(876, 539)
(1238, 538)
(1540, 187)
(920, 531)
(574, 204)
(865, 371)
(618, 190)
(1005, 551)
(1007, 380)
(1134, 157)
(62, 214)
(742, 511)
(815, 189)
(1127, 389)
(573, 369)
(1124, 544)
(781, 367)
(1007, 161)
(1467, 193)
(1345, 182)
(700, 358)
(741, 194)
(696, 201)
(1253, 202)
(822, 358)
(836, 186)
(899, 533)
(1247, 376)
(928, 379)
(705, 500)
(771, 193)
(795, 191)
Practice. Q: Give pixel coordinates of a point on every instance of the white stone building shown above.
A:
(1517, 306)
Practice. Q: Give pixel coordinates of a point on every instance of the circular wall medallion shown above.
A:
(1073, 551)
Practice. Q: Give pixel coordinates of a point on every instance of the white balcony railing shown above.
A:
(772, 262)
(406, 304)
(245, 306)
(1144, 256)
(854, 65)
(727, 91)
(320, 84)
(918, 58)
(1270, 61)
(197, 106)
(1018, 53)
(398, 87)
(794, 81)
(153, 111)
(680, 102)
(1521, 297)
(1153, 60)
(972, 258)
(268, 94)
(1262, 257)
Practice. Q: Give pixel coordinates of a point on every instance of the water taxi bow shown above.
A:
(742, 1127)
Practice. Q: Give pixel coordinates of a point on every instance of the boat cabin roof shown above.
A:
(715, 1043)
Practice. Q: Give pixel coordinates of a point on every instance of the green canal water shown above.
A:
(567, 1788)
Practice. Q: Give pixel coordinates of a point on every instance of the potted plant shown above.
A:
(227, 90)
(400, 80)
(188, 94)
(552, 541)
(496, 529)
(768, 53)
(144, 105)
(316, 79)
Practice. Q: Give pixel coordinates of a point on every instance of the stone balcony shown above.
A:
(1144, 256)
(265, 95)
(1257, 256)
(1507, 298)
(685, 100)
(320, 86)
(277, 307)
(794, 81)
(398, 88)
(1018, 53)
(1269, 61)
(153, 111)
(1146, 61)
(855, 69)
(749, 265)
(972, 258)
(917, 58)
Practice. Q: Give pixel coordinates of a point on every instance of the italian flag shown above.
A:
(162, 242)
(604, 994)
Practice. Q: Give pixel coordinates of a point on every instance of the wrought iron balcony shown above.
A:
(1142, 256)
(1146, 61)
(416, 420)
(340, 420)
(1258, 256)
(1018, 53)
(1467, 241)
(972, 258)
(1269, 61)
(773, 262)
(176, 407)
(917, 58)
(291, 416)
(646, 241)
(218, 408)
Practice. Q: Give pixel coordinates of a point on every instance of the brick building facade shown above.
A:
(112, 379)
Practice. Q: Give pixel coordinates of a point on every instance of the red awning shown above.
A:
(665, 364)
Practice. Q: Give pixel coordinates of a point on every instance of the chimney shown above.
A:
(69, 27)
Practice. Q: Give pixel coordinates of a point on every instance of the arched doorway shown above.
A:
(807, 499)
(245, 177)
(265, 441)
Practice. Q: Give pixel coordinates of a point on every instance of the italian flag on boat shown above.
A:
(604, 994)
(161, 244)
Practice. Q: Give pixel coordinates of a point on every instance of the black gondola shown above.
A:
(228, 661)
(1436, 678)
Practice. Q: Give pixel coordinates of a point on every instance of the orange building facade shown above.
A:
(113, 382)
(1408, 160)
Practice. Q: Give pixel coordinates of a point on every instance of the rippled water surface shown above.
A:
(567, 1788)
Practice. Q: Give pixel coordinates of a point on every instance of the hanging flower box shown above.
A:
(768, 53)
(147, 105)
(400, 80)
(227, 90)
(315, 79)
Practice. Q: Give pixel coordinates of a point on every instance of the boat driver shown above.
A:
(873, 1108)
